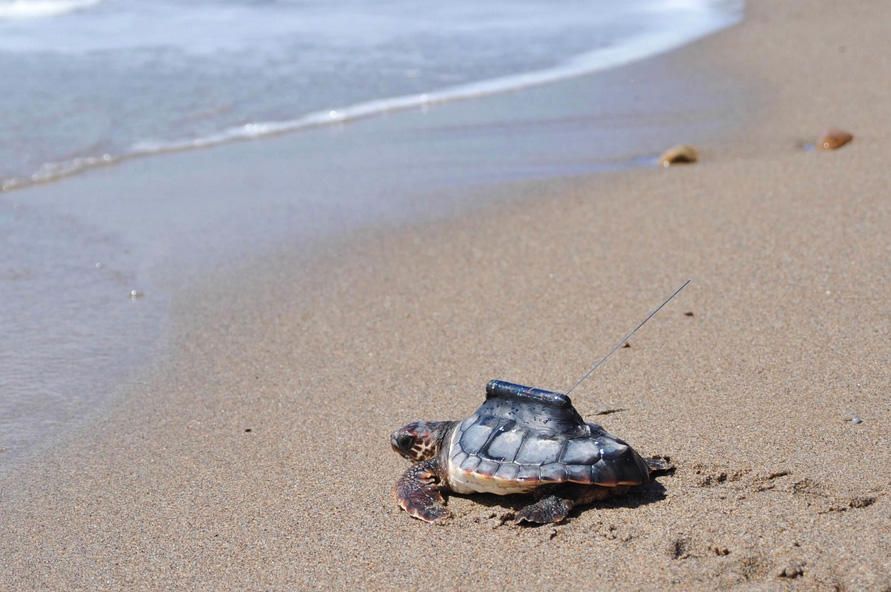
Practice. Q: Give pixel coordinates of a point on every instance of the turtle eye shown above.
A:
(405, 441)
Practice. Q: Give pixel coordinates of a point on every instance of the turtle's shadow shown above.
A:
(639, 496)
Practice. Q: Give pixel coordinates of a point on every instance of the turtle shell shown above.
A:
(523, 437)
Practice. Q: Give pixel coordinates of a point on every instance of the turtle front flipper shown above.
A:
(418, 492)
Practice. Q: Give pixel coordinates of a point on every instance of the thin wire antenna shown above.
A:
(625, 339)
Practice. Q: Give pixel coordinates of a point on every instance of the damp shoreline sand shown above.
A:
(255, 455)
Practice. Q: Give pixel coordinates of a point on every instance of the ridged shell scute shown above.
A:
(525, 439)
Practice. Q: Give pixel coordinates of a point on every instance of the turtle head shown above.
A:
(420, 440)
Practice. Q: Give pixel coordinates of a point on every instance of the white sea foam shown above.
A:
(632, 49)
(684, 22)
(28, 9)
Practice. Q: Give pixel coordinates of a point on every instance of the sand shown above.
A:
(255, 456)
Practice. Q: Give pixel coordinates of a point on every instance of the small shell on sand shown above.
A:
(833, 139)
(679, 154)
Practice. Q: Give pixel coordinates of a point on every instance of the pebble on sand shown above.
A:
(856, 420)
(679, 154)
(833, 139)
(792, 569)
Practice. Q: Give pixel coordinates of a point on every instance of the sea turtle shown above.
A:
(522, 440)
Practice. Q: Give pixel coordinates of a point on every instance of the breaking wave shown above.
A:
(28, 9)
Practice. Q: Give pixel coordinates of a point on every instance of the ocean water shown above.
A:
(90, 82)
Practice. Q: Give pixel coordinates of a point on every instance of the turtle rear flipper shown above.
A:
(555, 508)
(659, 465)
(552, 509)
(417, 492)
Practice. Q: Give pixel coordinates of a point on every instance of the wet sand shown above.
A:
(255, 456)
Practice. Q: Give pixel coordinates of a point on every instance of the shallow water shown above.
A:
(91, 82)
(68, 323)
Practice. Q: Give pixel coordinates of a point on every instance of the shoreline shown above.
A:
(750, 396)
(154, 225)
(643, 46)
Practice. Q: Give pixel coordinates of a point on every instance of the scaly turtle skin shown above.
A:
(521, 440)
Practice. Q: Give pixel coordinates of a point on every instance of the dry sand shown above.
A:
(790, 251)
